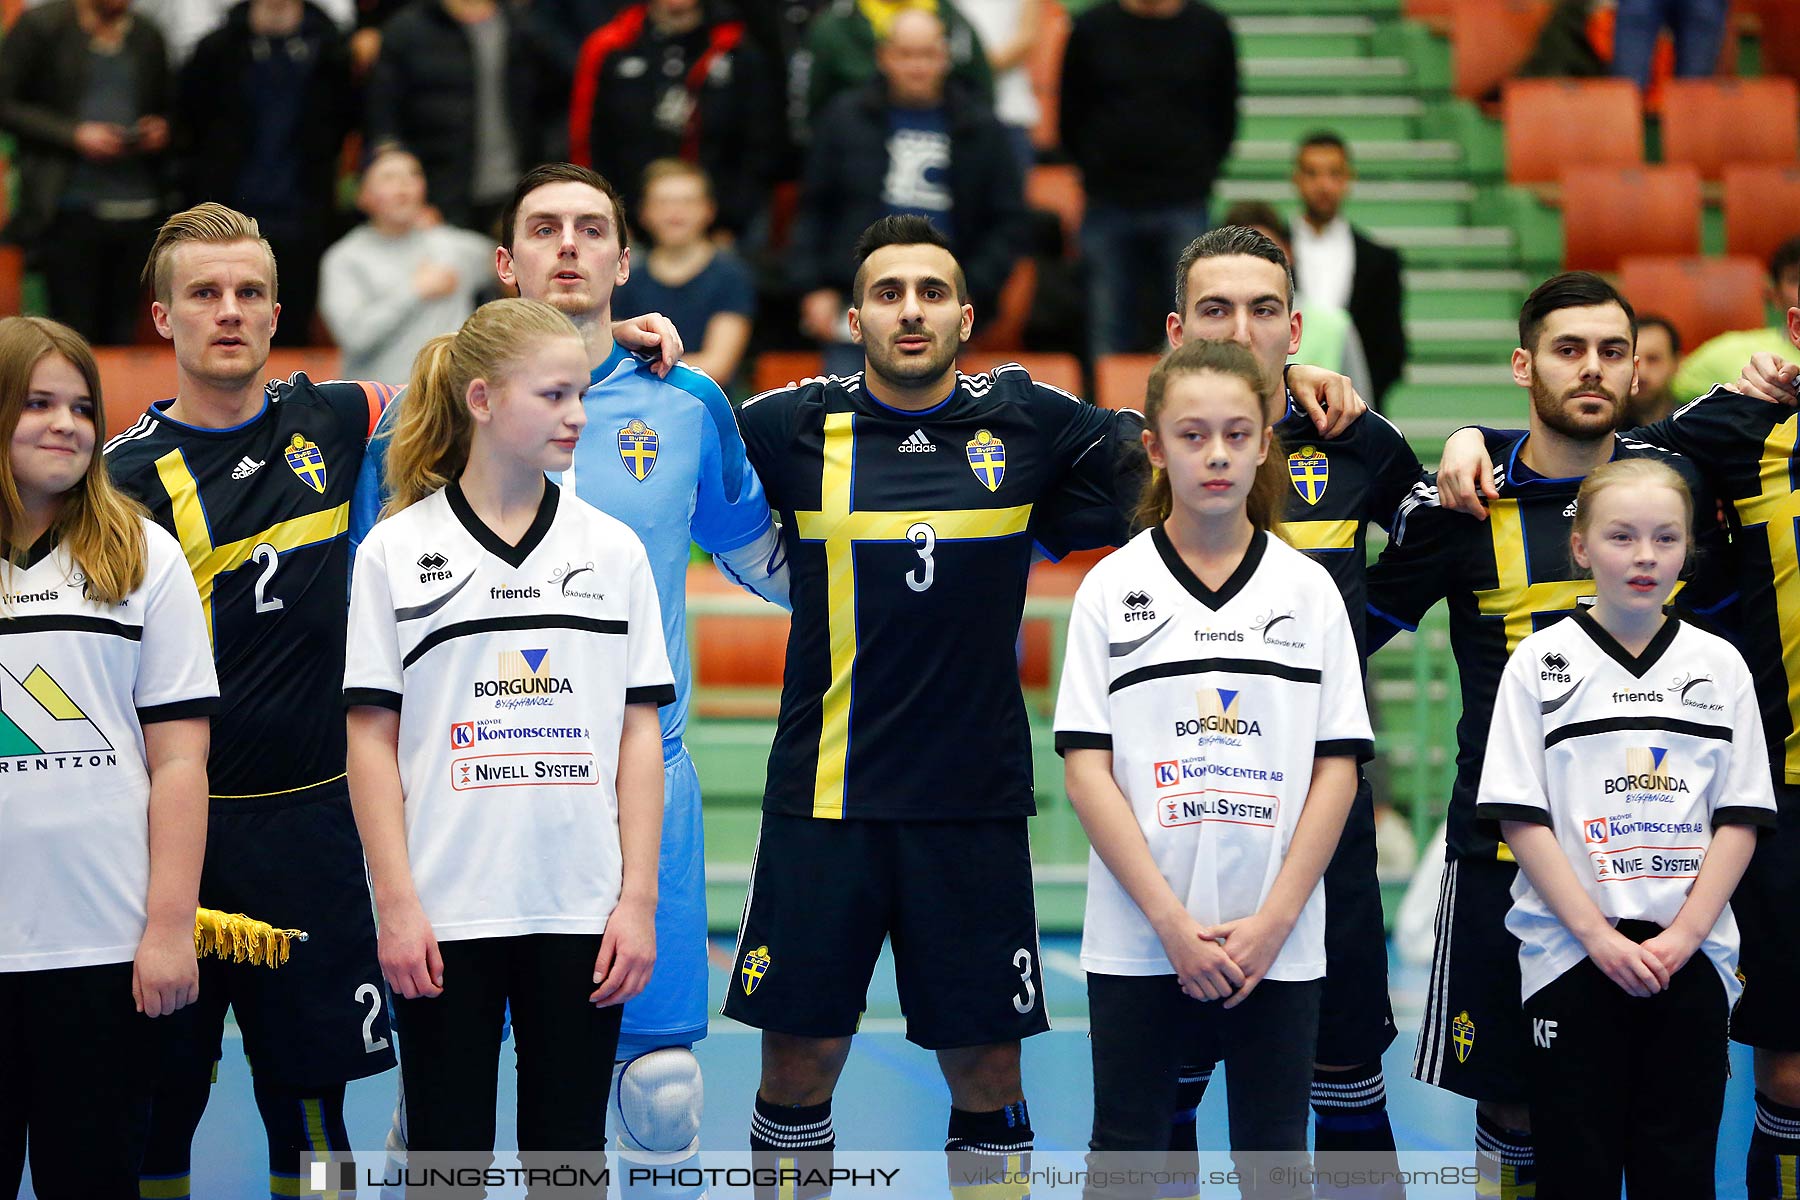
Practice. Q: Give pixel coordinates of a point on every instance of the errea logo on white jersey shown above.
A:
(246, 467)
(918, 443)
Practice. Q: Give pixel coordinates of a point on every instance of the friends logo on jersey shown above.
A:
(1220, 720)
(12, 599)
(307, 461)
(523, 677)
(1310, 469)
(43, 729)
(1278, 629)
(1231, 807)
(575, 579)
(637, 449)
(1649, 775)
(987, 458)
(1696, 691)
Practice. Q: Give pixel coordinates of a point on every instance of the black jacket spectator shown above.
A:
(718, 110)
(841, 193)
(1375, 309)
(422, 94)
(43, 73)
(1149, 105)
(212, 136)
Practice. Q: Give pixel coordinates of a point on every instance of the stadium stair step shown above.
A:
(1377, 159)
(1491, 294)
(1374, 205)
(1289, 118)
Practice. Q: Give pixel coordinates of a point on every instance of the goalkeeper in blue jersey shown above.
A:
(664, 456)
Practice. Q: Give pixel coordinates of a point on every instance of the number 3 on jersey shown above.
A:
(924, 540)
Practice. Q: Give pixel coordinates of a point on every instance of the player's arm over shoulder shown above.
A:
(1719, 426)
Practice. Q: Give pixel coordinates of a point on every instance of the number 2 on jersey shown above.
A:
(270, 558)
(369, 994)
(924, 540)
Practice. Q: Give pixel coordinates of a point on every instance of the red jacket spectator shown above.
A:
(664, 80)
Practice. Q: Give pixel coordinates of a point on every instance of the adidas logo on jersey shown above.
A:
(246, 467)
(918, 443)
(1569, 511)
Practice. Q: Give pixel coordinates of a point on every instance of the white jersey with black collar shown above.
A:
(510, 667)
(1214, 704)
(1632, 761)
(79, 680)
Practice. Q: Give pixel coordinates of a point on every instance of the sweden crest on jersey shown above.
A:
(1310, 470)
(756, 965)
(637, 449)
(1462, 1035)
(307, 461)
(987, 458)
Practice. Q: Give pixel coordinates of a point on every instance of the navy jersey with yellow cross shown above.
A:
(1340, 485)
(1504, 578)
(262, 513)
(909, 540)
(1746, 449)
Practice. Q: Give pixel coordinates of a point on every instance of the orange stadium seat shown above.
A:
(778, 368)
(1119, 380)
(1489, 40)
(1551, 123)
(1057, 370)
(1780, 38)
(1702, 296)
(12, 281)
(1609, 212)
(1713, 123)
(1057, 188)
(1043, 65)
(1762, 208)
(130, 378)
(1004, 328)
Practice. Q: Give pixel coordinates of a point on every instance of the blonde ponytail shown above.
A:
(432, 436)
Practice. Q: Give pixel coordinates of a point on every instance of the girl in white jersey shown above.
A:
(1628, 770)
(505, 666)
(1210, 718)
(106, 687)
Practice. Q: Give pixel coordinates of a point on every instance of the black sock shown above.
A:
(1507, 1161)
(1183, 1160)
(1350, 1118)
(988, 1154)
(1773, 1164)
(305, 1125)
(181, 1096)
(794, 1141)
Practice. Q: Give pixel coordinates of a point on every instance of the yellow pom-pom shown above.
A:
(237, 938)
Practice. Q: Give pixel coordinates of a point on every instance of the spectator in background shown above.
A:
(1698, 27)
(1658, 358)
(913, 141)
(470, 88)
(1720, 359)
(388, 287)
(185, 22)
(365, 43)
(85, 89)
(841, 47)
(1149, 112)
(1009, 29)
(1337, 265)
(781, 29)
(565, 25)
(705, 289)
(263, 108)
(1328, 337)
(664, 79)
